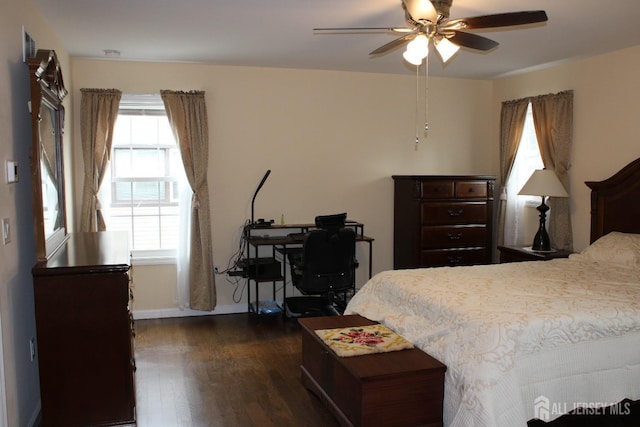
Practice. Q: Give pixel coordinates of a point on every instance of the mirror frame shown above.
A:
(47, 87)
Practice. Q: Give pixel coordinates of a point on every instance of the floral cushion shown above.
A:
(356, 341)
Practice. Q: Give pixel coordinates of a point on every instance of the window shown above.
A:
(142, 184)
(527, 160)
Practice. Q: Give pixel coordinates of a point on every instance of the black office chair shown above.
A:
(323, 271)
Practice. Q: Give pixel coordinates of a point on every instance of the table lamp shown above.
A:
(544, 183)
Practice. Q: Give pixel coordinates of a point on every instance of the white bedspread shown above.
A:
(492, 325)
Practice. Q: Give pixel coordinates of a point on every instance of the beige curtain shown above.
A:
(98, 114)
(512, 118)
(187, 113)
(553, 120)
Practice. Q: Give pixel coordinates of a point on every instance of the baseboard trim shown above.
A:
(176, 312)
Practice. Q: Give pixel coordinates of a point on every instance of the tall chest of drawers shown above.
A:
(442, 220)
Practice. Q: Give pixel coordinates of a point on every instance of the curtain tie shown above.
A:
(98, 204)
(503, 193)
(195, 203)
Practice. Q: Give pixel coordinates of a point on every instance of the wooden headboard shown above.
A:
(615, 202)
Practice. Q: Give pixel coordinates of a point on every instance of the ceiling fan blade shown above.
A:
(472, 41)
(421, 10)
(366, 29)
(499, 20)
(392, 44)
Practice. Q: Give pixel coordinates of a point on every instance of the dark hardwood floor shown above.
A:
(224, 370)
(237, 370)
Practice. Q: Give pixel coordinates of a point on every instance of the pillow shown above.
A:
(615, 248)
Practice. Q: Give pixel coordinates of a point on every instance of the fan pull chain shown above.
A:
(426, 96)
(426, 101)
(417, 102)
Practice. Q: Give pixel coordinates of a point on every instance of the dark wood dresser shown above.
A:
(85, 332)
(398, 388)
(442, 220)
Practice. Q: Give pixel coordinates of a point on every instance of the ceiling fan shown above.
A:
(429, 21)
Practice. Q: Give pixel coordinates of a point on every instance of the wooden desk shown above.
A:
(277, 237)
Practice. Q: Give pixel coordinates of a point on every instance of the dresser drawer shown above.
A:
(452, 258)
(437, 190)
(454, 213)
(471, 189)
(442, 237)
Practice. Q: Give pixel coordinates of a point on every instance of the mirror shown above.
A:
(47, 167)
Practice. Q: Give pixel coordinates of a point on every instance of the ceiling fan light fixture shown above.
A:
(419, 45)
(445, 48)
(412, 57)
(417, 50)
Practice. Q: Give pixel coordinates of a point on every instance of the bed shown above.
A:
(529, 340)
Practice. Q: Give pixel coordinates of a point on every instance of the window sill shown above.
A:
(151, 260)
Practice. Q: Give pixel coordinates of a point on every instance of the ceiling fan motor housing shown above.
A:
(442, 6)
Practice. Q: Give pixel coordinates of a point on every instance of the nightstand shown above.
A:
(525, 253)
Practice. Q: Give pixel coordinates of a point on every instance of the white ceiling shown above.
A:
(278, 33)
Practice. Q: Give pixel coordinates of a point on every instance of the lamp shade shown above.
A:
(543, 182)
(420, 45)
(446, 49)
(412, 57)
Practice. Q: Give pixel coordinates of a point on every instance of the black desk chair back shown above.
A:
(324, 268)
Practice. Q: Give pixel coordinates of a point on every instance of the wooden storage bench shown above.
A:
(398, 388)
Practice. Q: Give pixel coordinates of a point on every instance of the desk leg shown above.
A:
(370, 259)
(273, 254)
(284, 281)
(248, 282)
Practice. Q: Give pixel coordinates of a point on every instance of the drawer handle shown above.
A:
(455, 260)
(454, 236)
(472, 190)
(455, 212)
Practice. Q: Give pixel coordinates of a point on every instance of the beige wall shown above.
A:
(606, 93)
(154, 288)
(18, 257)
(331, 139)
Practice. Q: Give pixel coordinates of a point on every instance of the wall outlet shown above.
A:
(12, 171)
(216, 269)
(32, 348)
